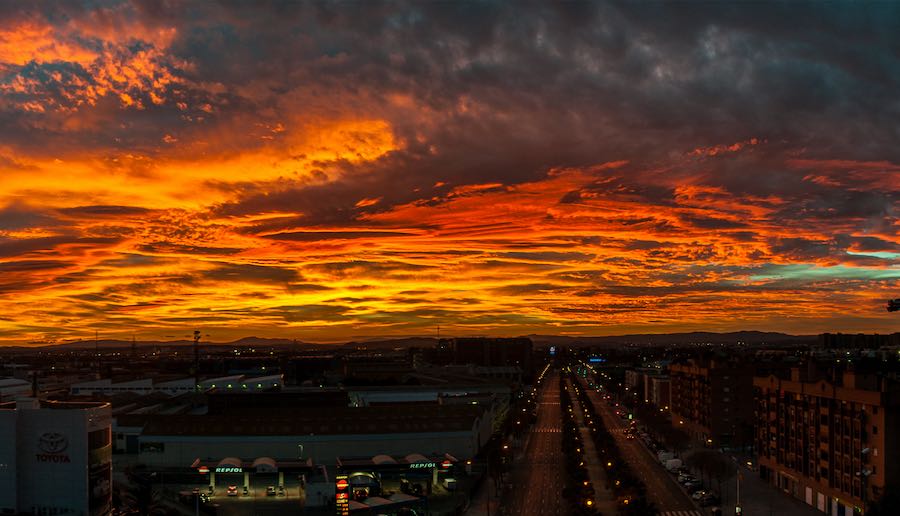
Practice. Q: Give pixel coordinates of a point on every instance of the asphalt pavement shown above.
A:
(538, 480)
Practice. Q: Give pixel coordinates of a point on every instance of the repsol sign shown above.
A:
(52, 447)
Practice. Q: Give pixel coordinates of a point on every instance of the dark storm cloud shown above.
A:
(252, 273)
(315, 236)
(615, 155)
(104, 211)
(16, 216)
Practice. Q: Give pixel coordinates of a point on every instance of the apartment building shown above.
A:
(712, 400)
(829, 441)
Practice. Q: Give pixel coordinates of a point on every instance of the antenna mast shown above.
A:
(197, 360)
(97, 354)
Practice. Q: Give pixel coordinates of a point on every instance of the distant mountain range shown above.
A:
(748, 337)
(246, 342)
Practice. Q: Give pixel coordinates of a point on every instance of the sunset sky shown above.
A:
(333, 171)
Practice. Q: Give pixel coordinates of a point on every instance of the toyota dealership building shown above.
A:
(55, 458)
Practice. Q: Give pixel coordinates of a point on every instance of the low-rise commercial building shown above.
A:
(322, 434)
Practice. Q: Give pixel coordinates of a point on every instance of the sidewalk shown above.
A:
(757, 497)
(486, 501)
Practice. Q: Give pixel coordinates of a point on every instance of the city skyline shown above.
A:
(315, 172)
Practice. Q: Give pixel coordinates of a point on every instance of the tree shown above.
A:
(886, 505)
(139, 495)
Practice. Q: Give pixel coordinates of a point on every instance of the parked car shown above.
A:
(709, 500)
(697, 495)
(692, 487)
(231, 491)
(270, 491)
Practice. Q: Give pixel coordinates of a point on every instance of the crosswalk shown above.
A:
(548, 430)
(681, 513)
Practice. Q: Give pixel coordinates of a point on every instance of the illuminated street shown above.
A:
(538, 483)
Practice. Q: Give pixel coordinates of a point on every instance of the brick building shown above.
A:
(712, 400)
(831, 442)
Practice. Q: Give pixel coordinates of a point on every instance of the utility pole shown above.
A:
(487, 473)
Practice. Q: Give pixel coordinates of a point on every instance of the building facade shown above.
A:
(659, 392)
(830, 443)
(712, 400)
(55, 458)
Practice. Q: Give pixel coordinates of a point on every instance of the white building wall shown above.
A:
(176, 387)
(8, 460)
(14, 389)
(106, 387)
(51, 485)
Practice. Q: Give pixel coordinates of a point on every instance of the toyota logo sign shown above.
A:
(52, 442)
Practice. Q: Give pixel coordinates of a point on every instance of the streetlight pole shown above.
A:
(487, 473)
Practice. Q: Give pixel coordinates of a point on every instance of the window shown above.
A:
(874, 430)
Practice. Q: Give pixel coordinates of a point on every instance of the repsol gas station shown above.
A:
(391, 485)
(251, 476)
